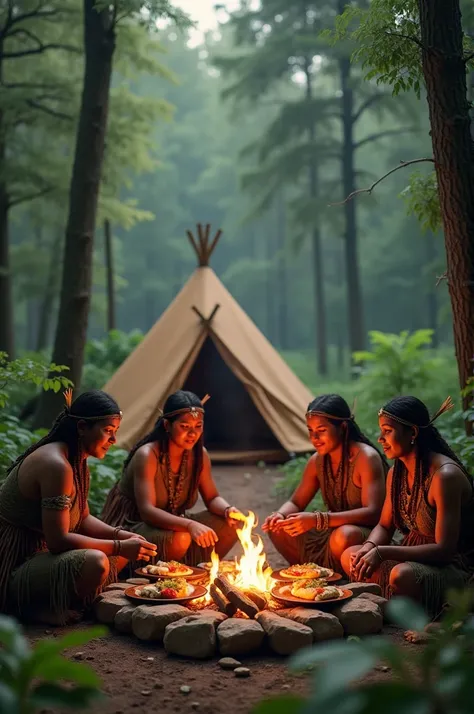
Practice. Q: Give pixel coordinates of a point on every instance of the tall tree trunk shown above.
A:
(453, 150)
(7, 343)
(49, 295)
(355, 309)
(71, 331)
(109, 263)
(432, 295)
(281, 282)
(318, 274)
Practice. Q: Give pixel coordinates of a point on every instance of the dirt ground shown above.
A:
(138, 676)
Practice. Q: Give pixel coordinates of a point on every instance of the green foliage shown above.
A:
(104, 474)
(435, 678)
(14, 440)
(29, 371)
(293, 471)
(104, 357)
(422, 200)
(31, 678)
(397, 364)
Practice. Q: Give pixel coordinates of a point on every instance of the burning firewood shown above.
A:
(236, 596)
(258, 598)
(222, 602)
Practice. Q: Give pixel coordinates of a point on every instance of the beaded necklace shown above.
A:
(408, 500)
(175, 487)
(336, 480)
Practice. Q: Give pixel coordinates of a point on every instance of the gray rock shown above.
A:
(285, 636)
(149, 622)
(360, 617)
(123, 619)
(116, 586)
(324, 625)
(228, 662)
(237, 636)
(214, 615)
(107, 605)
(192, 636)
(359, 588)
(242, 672)
(377, 599)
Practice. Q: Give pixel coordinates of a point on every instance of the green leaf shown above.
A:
(8, 701)
(406, 614)
(279, 705)
(58, 667)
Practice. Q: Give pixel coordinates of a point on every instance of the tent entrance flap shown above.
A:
(233, 422)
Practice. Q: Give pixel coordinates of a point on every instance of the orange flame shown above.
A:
(250, 569)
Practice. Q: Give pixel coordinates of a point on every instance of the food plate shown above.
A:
(291, 599)
(277, 576)
(229, 566)
(197, 574)
(199, 591)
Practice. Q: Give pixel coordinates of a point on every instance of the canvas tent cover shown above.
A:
(257, 405)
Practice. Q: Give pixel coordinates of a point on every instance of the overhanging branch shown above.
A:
(376, 97)
(380, 135)
(411, 38)
(39, 50)
(48, 110)
(402, 165)
(29, 196)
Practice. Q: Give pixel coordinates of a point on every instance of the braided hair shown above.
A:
(412, 412)
(176, 401)
(92, 406)
(337, 411)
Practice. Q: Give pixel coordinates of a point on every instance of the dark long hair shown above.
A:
(337, 412)
(92, 406)
(178, 400)
(429, 440)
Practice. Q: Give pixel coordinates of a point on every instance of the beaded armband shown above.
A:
(56, 503)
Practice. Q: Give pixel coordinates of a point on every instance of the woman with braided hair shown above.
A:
(161, 480)
(349, 472)
(429, 498)
(54, 555)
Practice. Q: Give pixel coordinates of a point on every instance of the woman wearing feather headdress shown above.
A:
(429, 498)
(162, 477)
(54, 555)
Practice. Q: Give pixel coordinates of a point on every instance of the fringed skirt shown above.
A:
(434, 580)
(195, 553)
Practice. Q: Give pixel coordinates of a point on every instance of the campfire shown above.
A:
(247, 589)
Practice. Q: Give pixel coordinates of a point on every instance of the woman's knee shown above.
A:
(402, 580)
(96, 567)
(346, 558)
(343, 538)
(181, 540)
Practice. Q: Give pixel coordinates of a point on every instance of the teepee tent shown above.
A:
(205, 342)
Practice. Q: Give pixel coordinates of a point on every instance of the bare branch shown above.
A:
(369, 190)
(380, 135)
(440, 278)
(30, 196)
(376, 97)
(47, 110)
(468, 58)
(26, 85)
(39, 50)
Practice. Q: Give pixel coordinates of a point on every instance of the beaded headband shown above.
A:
(194, 411)
(446, 406)
(67, 410)
(316, 412)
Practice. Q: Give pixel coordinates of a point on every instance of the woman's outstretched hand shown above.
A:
(298, 523)
(137, 548)
(204, 536)
(271, 522)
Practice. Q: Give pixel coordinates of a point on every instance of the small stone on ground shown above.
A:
(242, 672)
(229, 663)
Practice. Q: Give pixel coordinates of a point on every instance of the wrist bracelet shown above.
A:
(116, 532)
(317, 515)
(117, 547)
(325, 516)
(371, 542)
(226, 512)
(378, 553)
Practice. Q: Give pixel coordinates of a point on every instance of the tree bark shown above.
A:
(7, 343)
(109, 263)
(49, 295)
(71, 331)
(355, 309)
(445, 78)
(318, 275)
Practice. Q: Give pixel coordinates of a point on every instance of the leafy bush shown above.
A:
(435, 678)
(30, 372)
(397, 364)
(14, 440)
(30, 676)
(104, 357)
(104, 474)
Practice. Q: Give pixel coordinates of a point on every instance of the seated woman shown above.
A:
(349, 472)
(161, 479)
(430, 500)
(54, 556)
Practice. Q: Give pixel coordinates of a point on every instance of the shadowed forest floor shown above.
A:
(132, 682)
